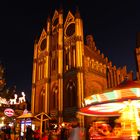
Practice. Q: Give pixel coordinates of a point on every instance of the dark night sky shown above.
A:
(113, 23)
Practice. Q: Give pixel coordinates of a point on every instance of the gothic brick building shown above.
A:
(66, 69)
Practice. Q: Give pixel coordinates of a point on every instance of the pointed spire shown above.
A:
(137, 39)
(47, 24)
(60, 9)
(36, 39)
(48, 19)
(77, 13)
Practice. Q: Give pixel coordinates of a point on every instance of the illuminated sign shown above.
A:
(9, 112)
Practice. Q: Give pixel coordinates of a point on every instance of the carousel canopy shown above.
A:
(108, 109)
(112, 102)
(123, 92)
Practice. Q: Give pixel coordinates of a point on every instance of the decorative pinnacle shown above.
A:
(36, 40)
(61, 9)
(77, 13)
(48, 19)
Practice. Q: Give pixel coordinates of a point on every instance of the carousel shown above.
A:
(123, 102)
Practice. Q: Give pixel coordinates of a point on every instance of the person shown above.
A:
(138, 135)
(8, 132)
(29, 133)
(45, 135)
(63, 135)
(1, 135)
(76, 133)
(37, 134)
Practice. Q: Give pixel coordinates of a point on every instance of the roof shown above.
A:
(24, 116)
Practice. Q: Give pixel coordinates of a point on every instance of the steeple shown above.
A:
(77, 13)
(137, 39)
(36, 40)
(48, 24)
(48, 19)
(60, 9)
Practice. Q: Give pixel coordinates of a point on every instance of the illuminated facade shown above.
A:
(66, 69)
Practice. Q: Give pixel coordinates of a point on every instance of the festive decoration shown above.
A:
(15, 100)
(22, 99)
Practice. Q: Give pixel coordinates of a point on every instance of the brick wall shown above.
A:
(94, 83)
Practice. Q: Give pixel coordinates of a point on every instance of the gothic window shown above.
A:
(96, 65)
(73, 57)
(92, 64)
(100, 67)
(43, 45)
(38, 74)
(53, 64)
(70, 57)
(70, 30)
(55, 22)
(71, 97)
(88, 62)
(54, 41)
(55, 97)
(67, 60)
(43, 68)
(42, 100)
(40, 69)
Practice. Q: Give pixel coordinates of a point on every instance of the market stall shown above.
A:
(25, 120)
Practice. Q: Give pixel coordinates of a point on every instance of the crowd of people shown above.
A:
(5, 133)
(72, 131)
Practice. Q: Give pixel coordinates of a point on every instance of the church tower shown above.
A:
(66, 70)
(41, 72)
(57, 81)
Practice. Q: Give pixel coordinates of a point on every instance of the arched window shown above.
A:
(72, 56)
(42, 100)
(55, 97)
(71, 96)
(67, 60)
